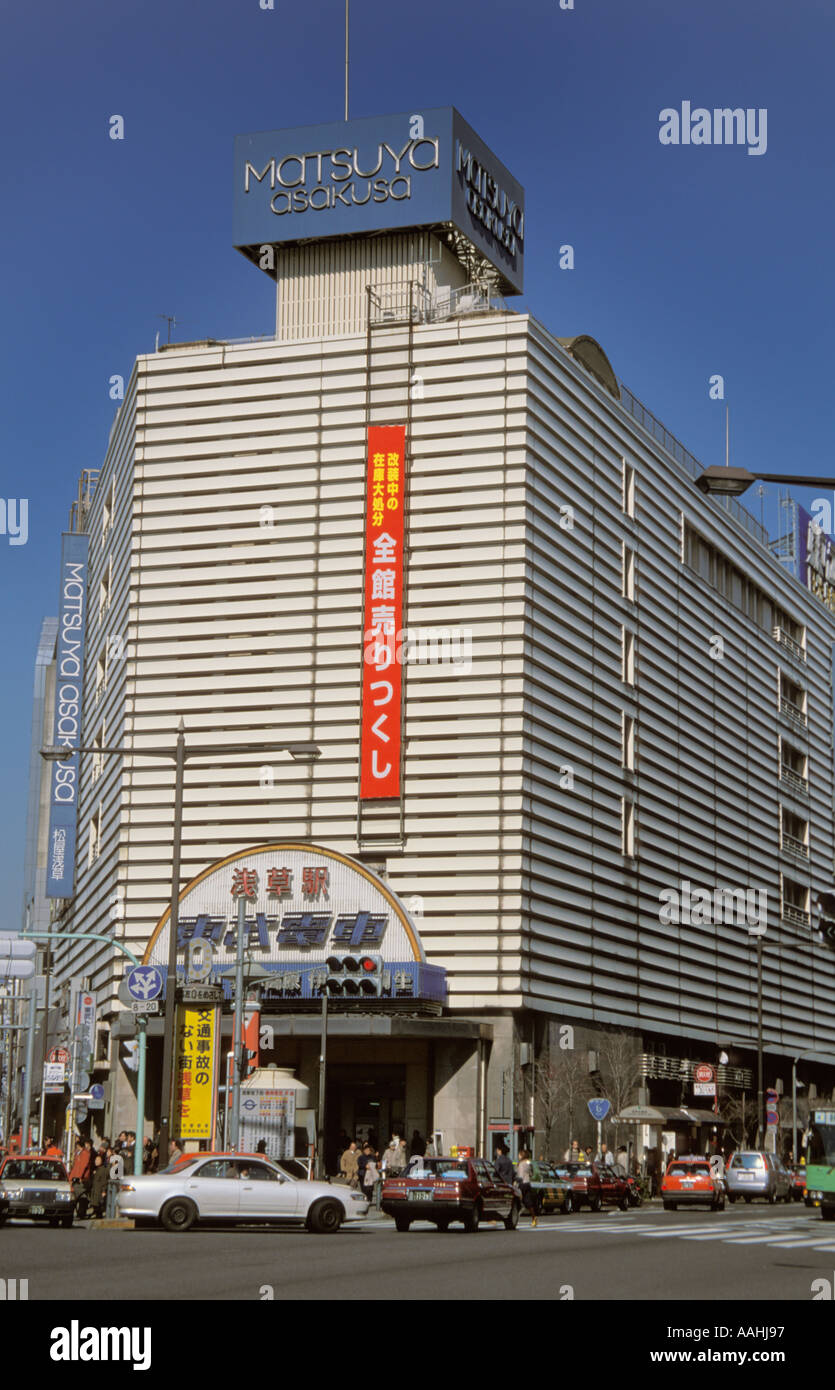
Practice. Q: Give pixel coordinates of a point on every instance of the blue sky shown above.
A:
(689, 261)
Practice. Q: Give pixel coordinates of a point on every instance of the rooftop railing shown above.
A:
(688, 461)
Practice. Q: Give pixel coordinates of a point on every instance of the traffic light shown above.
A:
(355, 976)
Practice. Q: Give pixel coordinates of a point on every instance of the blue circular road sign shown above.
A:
(144, 982)
(599, 1109)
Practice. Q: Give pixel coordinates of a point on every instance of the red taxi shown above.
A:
(596, 1185)
(443, 1190)
(689, 1181)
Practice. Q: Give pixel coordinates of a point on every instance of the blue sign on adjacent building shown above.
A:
(69, 691)
(381, 173)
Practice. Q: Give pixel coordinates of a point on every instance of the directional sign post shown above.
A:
(144, 982)
(599, 1109)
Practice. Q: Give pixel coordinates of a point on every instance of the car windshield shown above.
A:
(747, 1161)
(43, 1172)
(438, 1168)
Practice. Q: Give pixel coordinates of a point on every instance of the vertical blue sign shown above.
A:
(69, 691)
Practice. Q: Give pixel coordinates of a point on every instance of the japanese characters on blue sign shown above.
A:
(69, 689)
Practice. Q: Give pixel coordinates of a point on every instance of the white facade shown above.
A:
(597, 751)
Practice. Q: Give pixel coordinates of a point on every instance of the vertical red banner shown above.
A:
(385, 492)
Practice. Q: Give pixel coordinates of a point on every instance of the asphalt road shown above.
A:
(741, 1254)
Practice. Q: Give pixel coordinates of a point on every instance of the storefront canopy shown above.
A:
(670, 1117)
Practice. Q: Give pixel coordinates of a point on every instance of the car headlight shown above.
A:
(14, 1192)
(356, 1197)
(64, 1196)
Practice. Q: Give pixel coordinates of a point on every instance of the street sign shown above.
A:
(81, 1080)
(704, 1080)
(54, 1078)
(96, 1101)
(59, 1054)
(201, 994)
(144, 982)
(149, 1006)
(599, 1109)
(54, 1074)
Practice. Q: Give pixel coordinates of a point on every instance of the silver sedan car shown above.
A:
(233, 1188)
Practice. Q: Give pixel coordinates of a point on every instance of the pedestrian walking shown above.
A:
(348, 1164)
(417, 1145)
(524, 1174)
(394, 1158)
(370, 1176)
(81, 1177)
(98, 1187)
(503, 1165)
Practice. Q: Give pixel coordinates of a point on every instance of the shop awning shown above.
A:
(669, 1116)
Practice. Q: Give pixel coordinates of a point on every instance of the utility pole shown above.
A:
(320, 1116)
(237, 1042)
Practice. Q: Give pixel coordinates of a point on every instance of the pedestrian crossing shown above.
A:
(785, 1233)
(802, 1232)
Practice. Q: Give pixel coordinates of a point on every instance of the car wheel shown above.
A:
(595, 1202)
(512, 1221)
(624, 1202)
(325, 1218)
(66, 1221)
(471, 1220)
(772, 1197)
(568, 1205)
(747, 1201)
(719, 1204)
(53, 1221)
(731, 1197)
(179, 1214)
(443, 1225)
(402, 1223)
(828, 1213)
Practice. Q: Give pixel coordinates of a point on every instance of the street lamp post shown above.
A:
(795, 1061)
(302, 752)
(732, 482)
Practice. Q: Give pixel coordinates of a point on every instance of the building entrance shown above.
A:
(364, 1101)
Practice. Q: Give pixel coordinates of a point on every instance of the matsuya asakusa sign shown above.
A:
(305, 905)
(381, 173)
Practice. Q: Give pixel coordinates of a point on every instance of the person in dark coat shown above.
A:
(98, 1186)
(503, 1165)
(417, 1145)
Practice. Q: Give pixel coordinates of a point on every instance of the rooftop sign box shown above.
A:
(383, 173)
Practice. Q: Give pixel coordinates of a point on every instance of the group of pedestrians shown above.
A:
(94, 1169)
(363, 1167)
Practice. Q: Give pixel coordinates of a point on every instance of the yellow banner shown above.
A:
(195, 1071)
